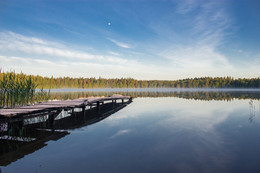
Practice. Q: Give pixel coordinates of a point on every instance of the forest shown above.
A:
(69, 82)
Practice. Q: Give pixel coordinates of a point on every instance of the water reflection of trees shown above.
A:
(200, 95)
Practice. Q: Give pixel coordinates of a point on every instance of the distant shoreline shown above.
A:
(154, 90)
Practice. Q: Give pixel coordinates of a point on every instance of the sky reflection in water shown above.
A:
(158, 135)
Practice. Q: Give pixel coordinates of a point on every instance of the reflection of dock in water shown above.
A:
(14, 148)
(24, 134)
(91, 116)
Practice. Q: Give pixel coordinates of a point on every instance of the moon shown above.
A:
(109, 23)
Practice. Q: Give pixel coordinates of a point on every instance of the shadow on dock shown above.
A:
(22, 136)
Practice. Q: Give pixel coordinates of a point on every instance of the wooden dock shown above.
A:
(56, 106)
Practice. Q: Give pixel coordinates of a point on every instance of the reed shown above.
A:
(18, 90)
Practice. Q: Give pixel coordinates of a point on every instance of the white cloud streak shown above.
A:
(120, 44)
(37, 56)
(60, 68)
(12, 42)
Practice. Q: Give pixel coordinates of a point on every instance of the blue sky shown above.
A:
(142, 39)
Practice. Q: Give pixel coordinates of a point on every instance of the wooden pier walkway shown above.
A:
(59, 105)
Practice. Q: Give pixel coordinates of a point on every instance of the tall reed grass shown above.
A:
(18, 90)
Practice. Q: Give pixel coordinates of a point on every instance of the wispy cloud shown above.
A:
(8, 60)
(120, 44)
(62, 67)
(23, 53)
(206, 30)
(35, 46)
(114, 53)
(31, 46)
(199, 60)
(211, 23)
(186, 6)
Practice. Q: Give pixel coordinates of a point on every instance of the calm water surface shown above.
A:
(165, 134)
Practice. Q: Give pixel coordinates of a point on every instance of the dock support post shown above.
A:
(114, 102)
(98, 106)
(51, 121)
(52, 117)
(84, 113)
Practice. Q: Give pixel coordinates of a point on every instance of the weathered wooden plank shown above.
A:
(44, 106)
(18, 111)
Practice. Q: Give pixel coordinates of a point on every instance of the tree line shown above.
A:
(203, 82)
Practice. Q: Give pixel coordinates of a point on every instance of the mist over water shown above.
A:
(200, 94)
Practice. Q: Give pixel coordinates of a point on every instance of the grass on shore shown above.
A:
(18, 90)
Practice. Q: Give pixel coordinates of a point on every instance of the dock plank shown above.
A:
(60, 104)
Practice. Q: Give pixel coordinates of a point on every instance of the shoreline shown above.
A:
(152, 90)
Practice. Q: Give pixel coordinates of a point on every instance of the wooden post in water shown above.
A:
(52, 117)
(114, 102)
(73, 114)
(51, 121)
(84, 113)
(98, 106)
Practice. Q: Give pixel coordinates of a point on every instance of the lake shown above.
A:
(178, 131)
